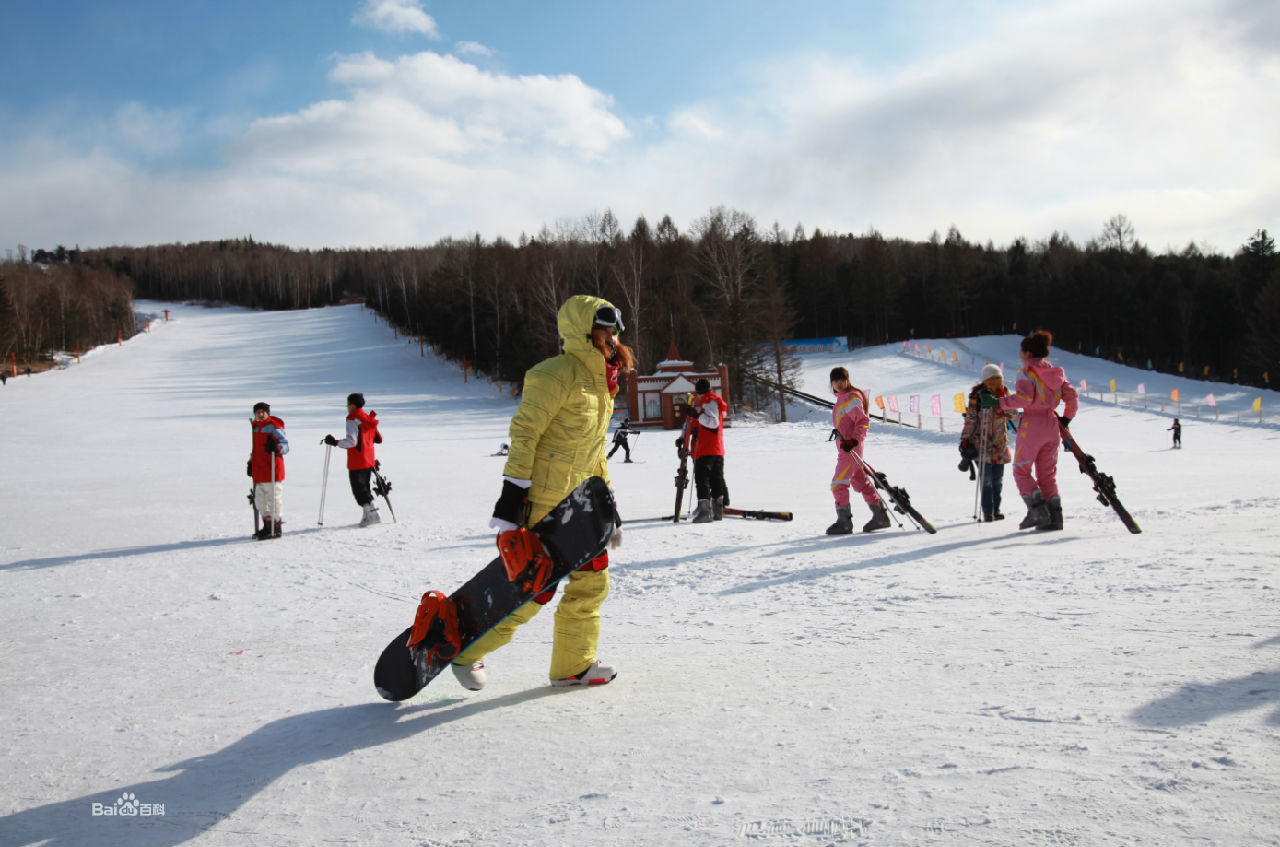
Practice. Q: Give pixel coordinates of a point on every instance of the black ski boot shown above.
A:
(702, 514)
(275, 528)
(717, 508)
(267, 531)
(879, 518)
(1037, 511)
(844, 522)
(1055, 514)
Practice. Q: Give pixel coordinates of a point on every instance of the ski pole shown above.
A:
(324, 483)
(984, 434)
(253, 501)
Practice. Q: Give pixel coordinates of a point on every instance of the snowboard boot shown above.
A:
(702, 514)
(371, 515)
(1054, 505)
(717, 509)
(879, 518)
(844, 522)
(597, 674)
(1037, 511)
(268, 530)
(472, 677)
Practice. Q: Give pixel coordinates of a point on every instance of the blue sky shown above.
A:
(392, 122)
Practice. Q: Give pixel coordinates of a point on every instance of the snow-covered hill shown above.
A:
(776, 686)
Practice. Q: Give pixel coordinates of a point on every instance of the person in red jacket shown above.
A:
(362, 434)
(266, 467)
(704, 439)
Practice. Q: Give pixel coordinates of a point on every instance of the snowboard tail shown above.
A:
(530, 562)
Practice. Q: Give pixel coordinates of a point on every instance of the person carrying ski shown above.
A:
(704, 439)
(620, 440)
(851, 422)
(986, 441)
(1177, 434)
(557, 439)
(1035, 460)
(266, 467)
(362, 434)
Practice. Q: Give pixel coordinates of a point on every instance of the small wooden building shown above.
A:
(657, 400)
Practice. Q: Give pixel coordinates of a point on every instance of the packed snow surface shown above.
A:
(776, 686)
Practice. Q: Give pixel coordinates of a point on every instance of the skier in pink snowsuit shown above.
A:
(849, 417)
(1039, 390)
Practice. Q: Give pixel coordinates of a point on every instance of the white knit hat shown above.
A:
(990, 371)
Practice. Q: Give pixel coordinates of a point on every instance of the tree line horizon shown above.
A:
(724, 290)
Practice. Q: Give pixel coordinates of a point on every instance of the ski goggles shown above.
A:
(609, 316)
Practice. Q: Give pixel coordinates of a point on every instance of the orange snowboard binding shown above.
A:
(437, 621)
(527, 562)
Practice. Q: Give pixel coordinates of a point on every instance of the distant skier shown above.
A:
(266, 467)
(620, 440)
(503, 450)
(1177, 434)
(362, 434)
(704, 439)
(1035, 461)
(558, 435)
(849, 418)
(987, 441)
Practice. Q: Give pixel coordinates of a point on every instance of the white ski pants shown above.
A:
(269, 498)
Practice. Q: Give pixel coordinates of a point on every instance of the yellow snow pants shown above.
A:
(577, 626)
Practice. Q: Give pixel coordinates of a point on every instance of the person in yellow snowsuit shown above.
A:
(557, 440)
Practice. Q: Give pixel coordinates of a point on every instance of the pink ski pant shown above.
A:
(1035, 461)
(849, 472)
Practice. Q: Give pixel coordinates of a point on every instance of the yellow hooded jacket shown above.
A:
(559, 431)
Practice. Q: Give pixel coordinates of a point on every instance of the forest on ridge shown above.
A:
(725, 290)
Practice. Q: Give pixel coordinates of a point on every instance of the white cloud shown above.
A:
(1057, 119)
(473, 48)
(396, 16)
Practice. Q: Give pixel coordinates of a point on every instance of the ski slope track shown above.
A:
(776, 686)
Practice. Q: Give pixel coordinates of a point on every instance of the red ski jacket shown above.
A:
(259, 459)
(708, 440)
(362, 434)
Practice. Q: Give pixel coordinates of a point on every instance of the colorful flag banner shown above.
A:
(1175, 396)
(1113, 386)
(893, 403)
(1210, 400)
(1257, 404)
(936, 405)
(1084, 385)
(962, 407)
(913, 404)
(879, 402)
(1142, 388)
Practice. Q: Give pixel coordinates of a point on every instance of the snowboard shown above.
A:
(1103, 484)
(571, 535)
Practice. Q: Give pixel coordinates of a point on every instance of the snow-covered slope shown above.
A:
(776, 686)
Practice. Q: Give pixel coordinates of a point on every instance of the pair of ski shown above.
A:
(1103, 485)
(896, 495)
